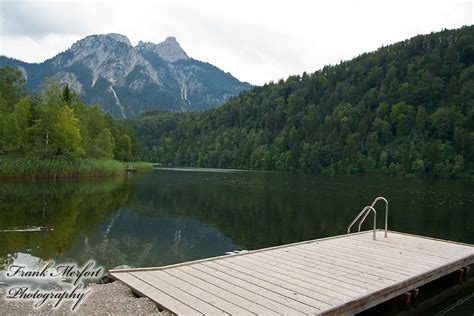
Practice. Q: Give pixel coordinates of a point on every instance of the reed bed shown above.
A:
(59, 168)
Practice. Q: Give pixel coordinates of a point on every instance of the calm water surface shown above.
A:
(167, 216)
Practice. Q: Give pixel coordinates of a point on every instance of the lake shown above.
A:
(168, 216)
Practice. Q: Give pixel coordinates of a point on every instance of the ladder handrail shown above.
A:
(365, 211)
(379, 198)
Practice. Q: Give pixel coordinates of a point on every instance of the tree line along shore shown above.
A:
(52, 134)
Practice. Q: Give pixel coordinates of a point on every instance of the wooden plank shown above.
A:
(437, 255)
(447, 248)
(311, 279)
(338, 277)
(374, 276)
(406, 262)
(284, 286)
(425, 243)
(209, 298)
(335, 267)
(398, 254)
(358, 263)
(320, 297)
(224, 292)
(161, 298)
(291, 278)
(456, 244)
(179, 294)
(384, 294)
(391, 244)
(364, 259)
(273, 300)
(416, 248)
(291, 298)
(318, 277)
(373, 259)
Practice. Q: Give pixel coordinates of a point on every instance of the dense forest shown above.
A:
(406, 108)
(54, 124)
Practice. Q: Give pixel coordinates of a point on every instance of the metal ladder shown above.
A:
(366, 211)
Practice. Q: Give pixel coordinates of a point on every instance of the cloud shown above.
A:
(37, 20)
(257, 41)
(221, 35)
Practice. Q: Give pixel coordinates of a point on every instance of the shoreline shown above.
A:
(112, 298)
(56, 169)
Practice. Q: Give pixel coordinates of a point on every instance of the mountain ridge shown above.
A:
(126, 80)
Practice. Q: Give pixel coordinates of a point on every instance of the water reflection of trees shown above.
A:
(256, 217)
(167, 219)
(260, 210)
(69, 207)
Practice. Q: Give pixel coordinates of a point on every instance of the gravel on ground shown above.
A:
(105, 299)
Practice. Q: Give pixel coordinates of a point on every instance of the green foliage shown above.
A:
(56, 131)
(407, 108)
(123, 147)
(58, 167)
(11, 86)
(104, 144)
(55, 126)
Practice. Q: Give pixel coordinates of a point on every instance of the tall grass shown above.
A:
(58, 168)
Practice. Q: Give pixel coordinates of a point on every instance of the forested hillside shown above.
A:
(406, 108)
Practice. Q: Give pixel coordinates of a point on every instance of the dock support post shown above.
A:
(405, 298)
(414, 294)
(462, 274)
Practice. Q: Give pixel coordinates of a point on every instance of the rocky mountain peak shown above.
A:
(169, 50)
(171, 40)
(119, 38)
(93, 43)
(127, 80)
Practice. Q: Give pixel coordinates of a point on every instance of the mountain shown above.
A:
(126, 80)
(407, 108)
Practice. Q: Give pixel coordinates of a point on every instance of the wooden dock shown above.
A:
(338, 275)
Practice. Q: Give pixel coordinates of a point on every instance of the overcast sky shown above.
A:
(256, 41)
